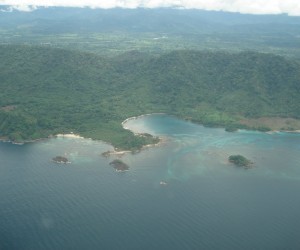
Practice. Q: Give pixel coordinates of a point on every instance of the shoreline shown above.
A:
(162, 140)
(115, 151)
(71, 135)
(26, 141)
(137, 117)
(297, 131)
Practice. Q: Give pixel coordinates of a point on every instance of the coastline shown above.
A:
(161, 141)
(137, 117)
(115, 150)
(26, 141)
(297, 131)
(71, 135)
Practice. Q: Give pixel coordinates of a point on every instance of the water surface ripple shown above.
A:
(207, 204)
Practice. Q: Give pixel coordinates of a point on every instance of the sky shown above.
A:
(290, 7)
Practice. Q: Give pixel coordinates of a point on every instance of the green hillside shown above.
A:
(47, 91)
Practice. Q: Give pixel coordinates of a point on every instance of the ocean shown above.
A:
(207, 202)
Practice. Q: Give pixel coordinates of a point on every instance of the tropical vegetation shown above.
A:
(46, 91)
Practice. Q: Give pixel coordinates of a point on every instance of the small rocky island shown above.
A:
(240, 161)
(60, 159)
(119, 166)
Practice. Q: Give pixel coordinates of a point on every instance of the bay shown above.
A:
(207, 203)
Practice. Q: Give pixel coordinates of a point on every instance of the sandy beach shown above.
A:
(71, 135)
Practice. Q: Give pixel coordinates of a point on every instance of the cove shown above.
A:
(207, 203)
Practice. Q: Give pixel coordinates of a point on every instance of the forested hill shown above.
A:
(248, 84)
(46, 91)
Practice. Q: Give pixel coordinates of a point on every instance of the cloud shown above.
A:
(291, 7)
(26, 8)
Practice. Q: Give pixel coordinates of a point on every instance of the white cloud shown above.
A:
(26, 8)
(291, 7)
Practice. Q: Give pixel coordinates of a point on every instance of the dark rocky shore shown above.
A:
(119, 166)
(60, 159)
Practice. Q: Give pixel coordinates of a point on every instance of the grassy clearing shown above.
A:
(274, 123)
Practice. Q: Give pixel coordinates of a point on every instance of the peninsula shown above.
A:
(93, 100)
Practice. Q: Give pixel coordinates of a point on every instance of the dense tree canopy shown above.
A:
(46, 91)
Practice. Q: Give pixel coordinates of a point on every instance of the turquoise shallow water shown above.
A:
(207, 204)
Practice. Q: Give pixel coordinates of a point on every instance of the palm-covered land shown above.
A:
(46, 90)
(240, 161)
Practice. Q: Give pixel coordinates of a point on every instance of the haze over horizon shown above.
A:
(290, 7)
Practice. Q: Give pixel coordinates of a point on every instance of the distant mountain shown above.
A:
(46, 91)
(164, 20)
(115, 31)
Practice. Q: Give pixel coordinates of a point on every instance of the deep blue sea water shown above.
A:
(207, 204)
